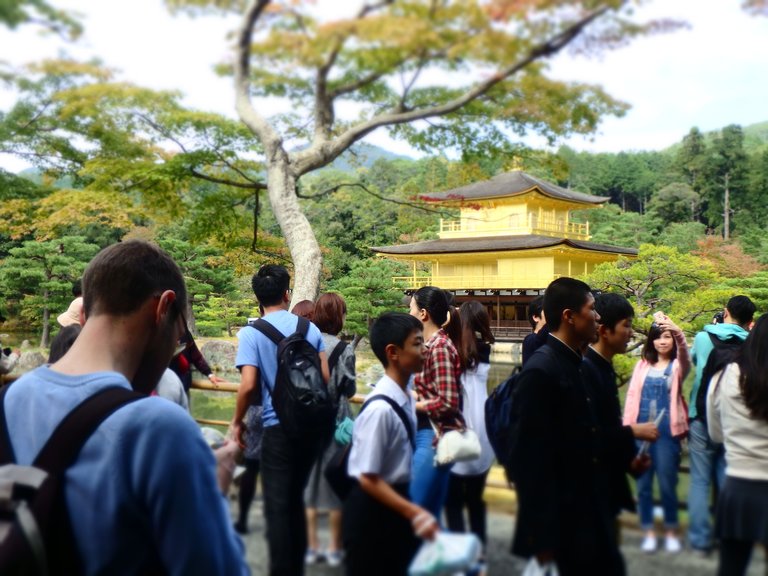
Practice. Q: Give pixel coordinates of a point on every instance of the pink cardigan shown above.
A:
(678, 413)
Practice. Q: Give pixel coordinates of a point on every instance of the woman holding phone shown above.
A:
(655, 392)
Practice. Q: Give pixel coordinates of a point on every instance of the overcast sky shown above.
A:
(710, 75)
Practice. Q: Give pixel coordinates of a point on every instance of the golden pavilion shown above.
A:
(513, 236)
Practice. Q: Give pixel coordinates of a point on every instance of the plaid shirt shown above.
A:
(439, 382)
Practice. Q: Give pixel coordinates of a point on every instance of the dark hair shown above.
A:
(437, 303)
(329, 313)
(391, 328)
(613, 308)
(77, 288)
(305, 309)
(753, 365)
(270, 283)
(563, 294)
(535, 307)
(63, 341)
(741, 309)
(122, 276)
(475, 325)
(649, 350)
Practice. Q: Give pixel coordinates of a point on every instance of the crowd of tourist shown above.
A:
(574, 448)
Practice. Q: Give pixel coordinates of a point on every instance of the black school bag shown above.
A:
(300, 396)
(501, 423)
(35, 530)
(723, 353)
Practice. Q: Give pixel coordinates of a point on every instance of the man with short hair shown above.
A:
(564, 514)
(707, 457)
(538, 322)
(614, 332)
(285, 462)
(142, 495)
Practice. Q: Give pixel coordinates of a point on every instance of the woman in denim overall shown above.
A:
(656, 387)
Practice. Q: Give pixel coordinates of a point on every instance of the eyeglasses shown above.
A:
(185, 338)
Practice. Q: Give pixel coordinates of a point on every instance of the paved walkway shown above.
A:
(502, 563)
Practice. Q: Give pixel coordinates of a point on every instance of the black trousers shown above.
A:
(466, 491)
(377, 540)
(247, 490)
(285, 467)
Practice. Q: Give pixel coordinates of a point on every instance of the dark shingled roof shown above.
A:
(496, 244)
(512, 184)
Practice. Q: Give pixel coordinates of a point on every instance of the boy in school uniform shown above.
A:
(381, 526)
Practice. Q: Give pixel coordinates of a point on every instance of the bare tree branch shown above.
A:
(370, 192)
(309, 159)
(249, 186)
(255, 122)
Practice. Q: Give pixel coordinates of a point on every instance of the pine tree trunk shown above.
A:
(305, 251)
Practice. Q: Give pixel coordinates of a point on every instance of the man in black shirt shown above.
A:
(564, 513)
(620, 451)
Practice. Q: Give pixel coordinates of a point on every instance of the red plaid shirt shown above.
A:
(439, 382)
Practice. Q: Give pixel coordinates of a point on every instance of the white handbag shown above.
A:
(456, 446)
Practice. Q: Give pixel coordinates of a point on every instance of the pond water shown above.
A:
(14, 339)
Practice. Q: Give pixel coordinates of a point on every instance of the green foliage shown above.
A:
(676, 202)
(682, 235)
(14, 13)
(207, 274)
(368, 291)
(36, 278)
(611, 225)
(661, 278)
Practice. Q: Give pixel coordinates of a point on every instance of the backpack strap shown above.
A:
(64, 445)
(338, 350)
(302, 326)
(398, 410)
(269, 331)
(6, 448)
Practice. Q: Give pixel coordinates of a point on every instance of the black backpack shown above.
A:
(723, 353)
(300, 395)
(35, 530)
(501, 425)
(498, 421)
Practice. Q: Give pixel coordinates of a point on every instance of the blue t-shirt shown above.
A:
(255, 349)
(142, 488)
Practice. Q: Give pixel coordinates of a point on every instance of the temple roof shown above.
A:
(513, 184)
(496, 244)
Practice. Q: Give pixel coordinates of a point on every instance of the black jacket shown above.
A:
(619, 443)
(562, 497)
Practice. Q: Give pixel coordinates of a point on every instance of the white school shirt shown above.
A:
(380, 443)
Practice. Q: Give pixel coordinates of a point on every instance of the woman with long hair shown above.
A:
(467, 480)
(438, 394)
(737, 415)
(330, 311)
(656, 385)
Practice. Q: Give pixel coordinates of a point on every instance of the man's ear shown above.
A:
(164, 305)
(567, 316)
(392, 352)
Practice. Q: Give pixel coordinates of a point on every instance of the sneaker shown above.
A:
(334, 557)
(649, 544)
(672, 544)
(312, 556)
(701, 552)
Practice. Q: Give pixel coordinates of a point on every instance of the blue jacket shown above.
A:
(702, 346)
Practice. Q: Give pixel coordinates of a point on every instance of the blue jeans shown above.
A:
(665, 461)
(429, 483)
(707, 459)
